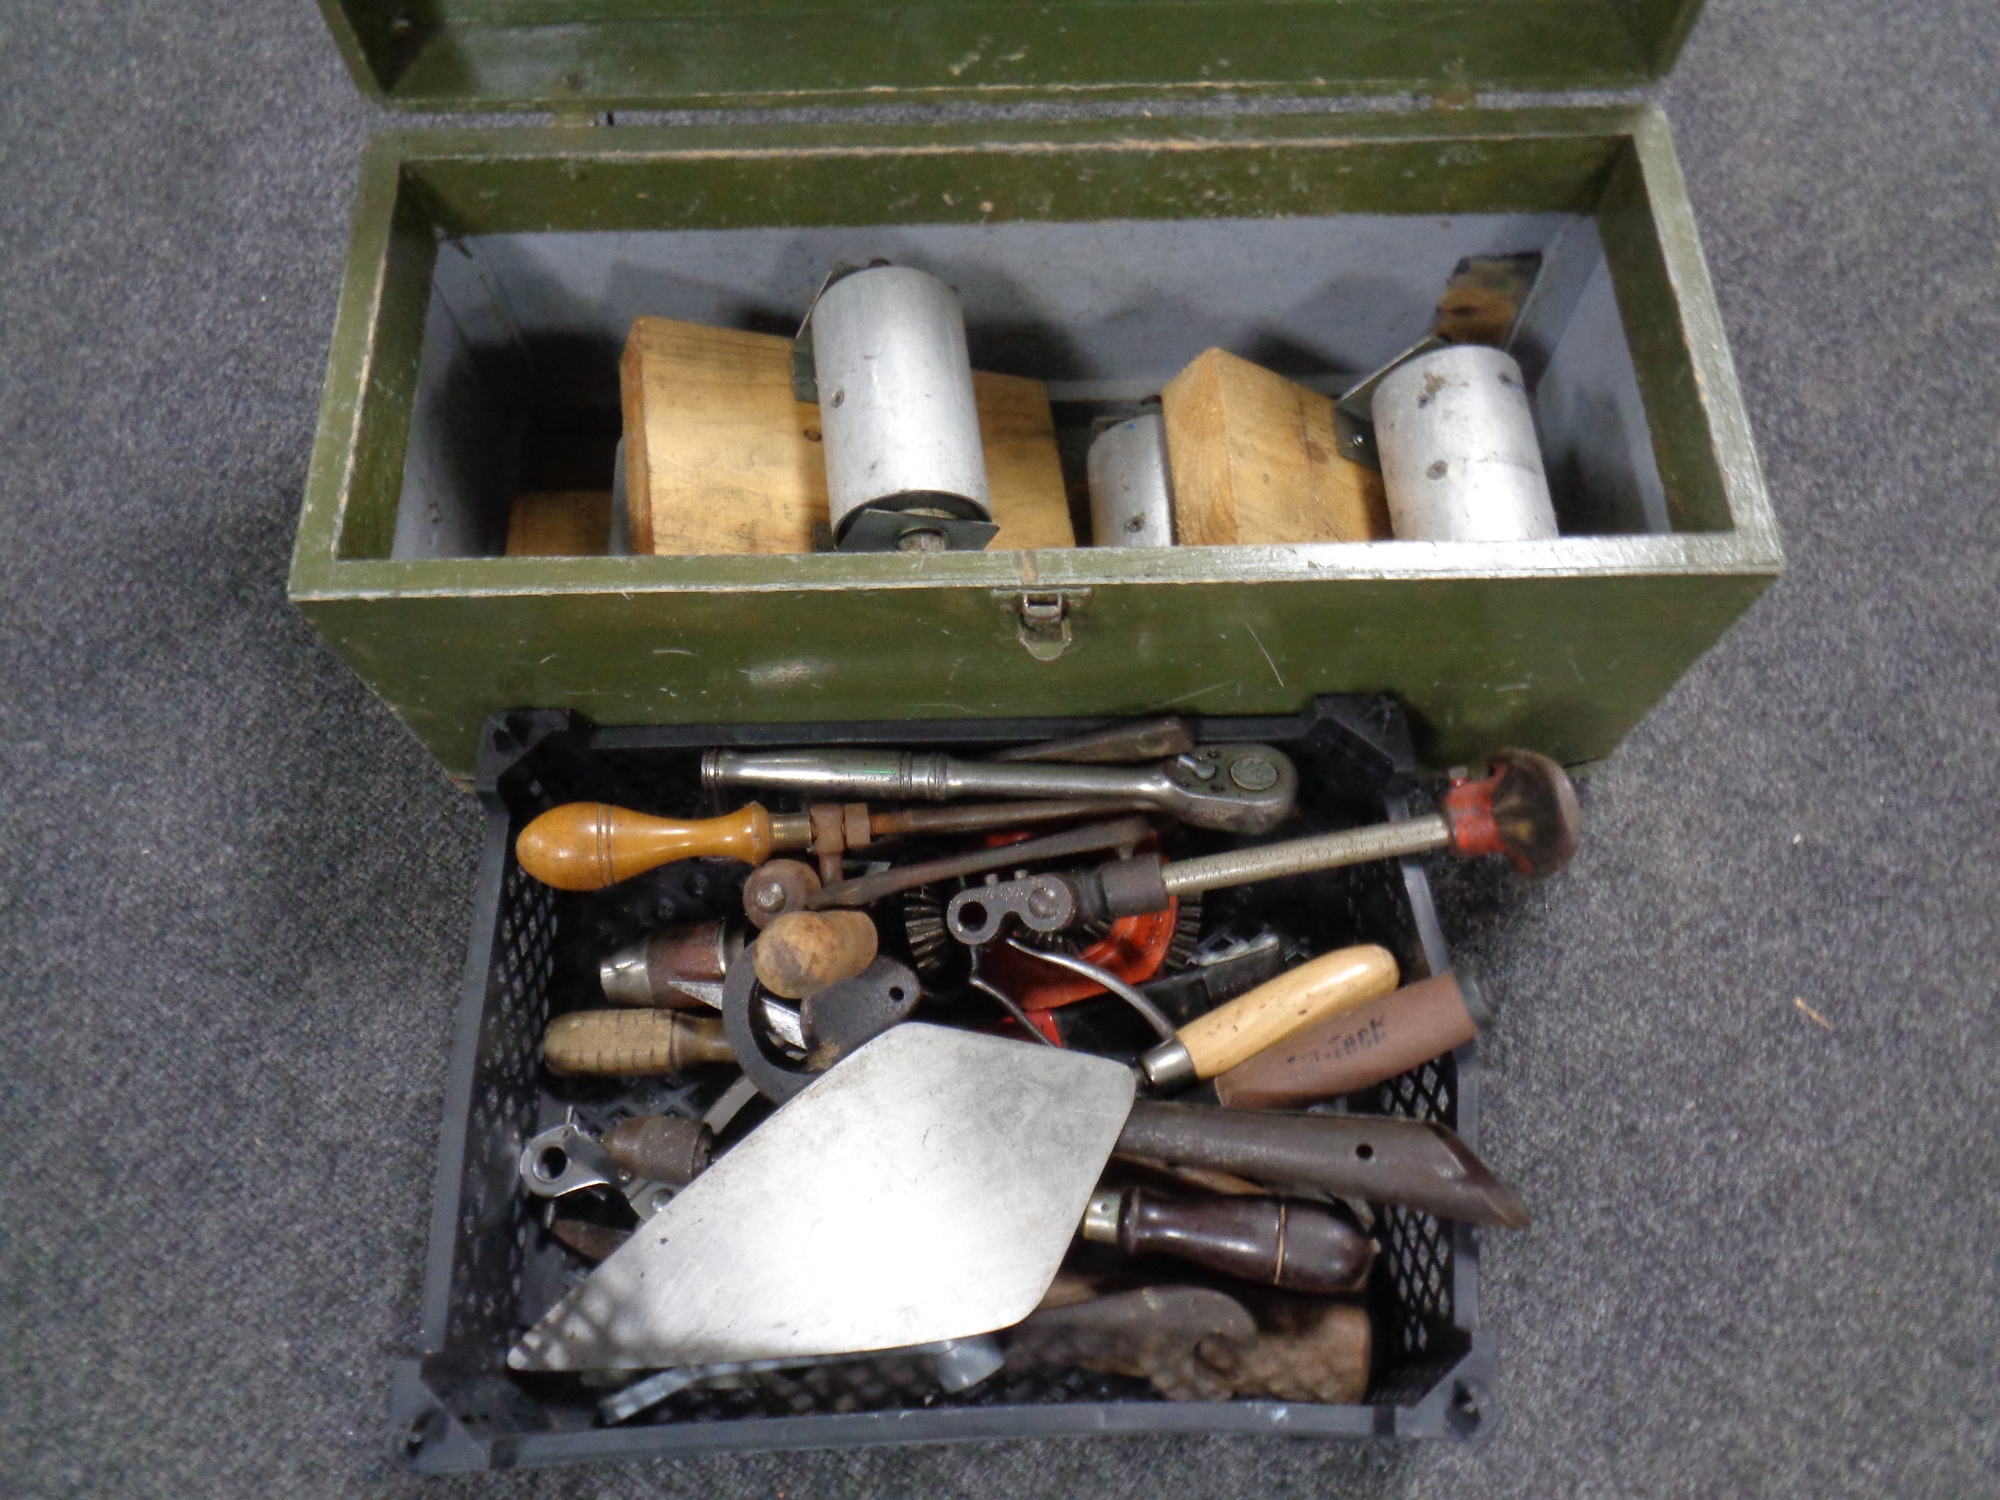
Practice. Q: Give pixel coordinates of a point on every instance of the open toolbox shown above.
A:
(494, 1269)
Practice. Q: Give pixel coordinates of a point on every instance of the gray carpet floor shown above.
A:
(234, 894)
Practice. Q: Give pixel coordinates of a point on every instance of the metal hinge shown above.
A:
(1044, 616)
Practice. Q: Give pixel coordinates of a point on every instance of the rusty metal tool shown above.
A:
(832, 1022)
(646, 1159)
(1416, 1163)
(678, 969)
(1282, 1242)
(1238, 788)
(1198, 1344)
(1119, 745)
(1526, 810)
(1359, 1048)
(927, 1187)
(587, 846)
(1092, 837)
(1175, 1336)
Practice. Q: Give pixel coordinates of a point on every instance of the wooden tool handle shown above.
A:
(1419, 1164)
(585, 846)
(631, 1043)
(1300, 1246)
(1354, 1049)
(1330, 984)
(802, 952)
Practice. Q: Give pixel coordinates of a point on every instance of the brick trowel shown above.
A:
(926, 1188)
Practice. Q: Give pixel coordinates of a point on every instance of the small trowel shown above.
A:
(923, 1189)
(926, 1188)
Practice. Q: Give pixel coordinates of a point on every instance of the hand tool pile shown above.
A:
(963, 1094)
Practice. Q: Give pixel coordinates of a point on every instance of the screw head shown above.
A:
(1253, 773)
(1043, 902)
(768, 897)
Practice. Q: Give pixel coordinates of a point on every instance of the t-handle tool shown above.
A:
(586, 846)
(1525, 810)
(1237, 788)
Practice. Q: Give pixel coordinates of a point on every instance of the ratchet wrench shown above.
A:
(1235, 788)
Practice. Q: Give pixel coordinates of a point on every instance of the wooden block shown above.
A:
(1256, 461)
(560, 523)
(722, 458)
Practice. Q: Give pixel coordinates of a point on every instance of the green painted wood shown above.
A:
(974, 172)
(1564, 652)
(1566, 665)
(477, 55)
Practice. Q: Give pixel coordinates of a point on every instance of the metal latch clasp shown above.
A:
(1045, 616)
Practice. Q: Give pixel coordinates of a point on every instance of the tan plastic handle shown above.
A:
(802, 952)
(585, 846)
(632, 1043)
(1328, 985)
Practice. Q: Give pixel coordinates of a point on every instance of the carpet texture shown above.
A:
(234, 894)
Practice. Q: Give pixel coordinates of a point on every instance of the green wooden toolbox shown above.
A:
(495, 271)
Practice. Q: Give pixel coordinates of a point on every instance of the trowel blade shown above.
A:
(925, 1188)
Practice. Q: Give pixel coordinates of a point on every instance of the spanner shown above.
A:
(1235, 788)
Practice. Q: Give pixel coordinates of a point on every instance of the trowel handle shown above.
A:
(1302, 1247)
(586, 846)
(631, 1043)
(1235, 1032)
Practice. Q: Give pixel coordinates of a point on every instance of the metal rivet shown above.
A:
(1253, 773)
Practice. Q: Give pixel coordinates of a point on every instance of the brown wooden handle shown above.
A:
(802, 952)
(1417, 1163)
(1300, 1246)
(1354, 1049)
(631, 1043)
(1333, 982)
(586, 846)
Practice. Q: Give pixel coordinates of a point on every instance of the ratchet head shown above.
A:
(1235, 788)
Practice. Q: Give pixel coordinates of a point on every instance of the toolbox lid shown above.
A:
(586, 56)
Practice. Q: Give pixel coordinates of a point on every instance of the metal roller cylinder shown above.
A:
(1456, 439)
(1131, 487)
(900, 427)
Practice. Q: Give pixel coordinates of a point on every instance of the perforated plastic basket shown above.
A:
(492, 1270)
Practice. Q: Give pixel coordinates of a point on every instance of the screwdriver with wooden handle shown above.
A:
(586, 846)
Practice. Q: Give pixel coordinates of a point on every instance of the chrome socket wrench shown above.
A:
(1234, 788)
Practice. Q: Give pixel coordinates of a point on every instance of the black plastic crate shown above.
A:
(491, 1270)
